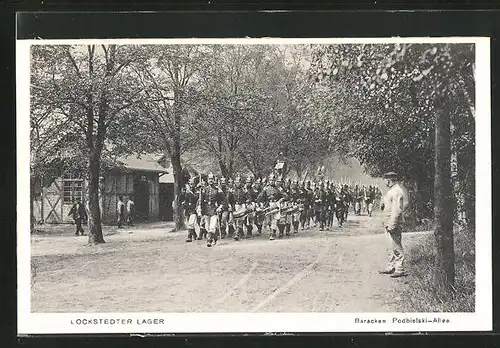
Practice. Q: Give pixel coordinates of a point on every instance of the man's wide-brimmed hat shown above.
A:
(390, 175)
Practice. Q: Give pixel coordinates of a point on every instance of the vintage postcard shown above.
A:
(254, 185)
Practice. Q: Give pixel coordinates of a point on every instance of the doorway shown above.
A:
(141, 195)
(166, 198)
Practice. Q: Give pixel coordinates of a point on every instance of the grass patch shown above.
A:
(421, 295)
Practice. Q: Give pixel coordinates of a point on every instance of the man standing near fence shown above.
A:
(394, 204)
(120, 209)
(79, 214)
(130, 211)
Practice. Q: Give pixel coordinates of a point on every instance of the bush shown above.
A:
(421, 295)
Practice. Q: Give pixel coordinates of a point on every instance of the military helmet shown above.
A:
(222, 180)
(211, 176)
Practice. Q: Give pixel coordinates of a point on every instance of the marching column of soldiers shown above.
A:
(223, 208)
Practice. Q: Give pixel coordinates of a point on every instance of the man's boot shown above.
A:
(231, 230)
(259, 229)
(399, 273)
(238, 233)
(249, 231)
(281, 229)
(190, 236)
(210, 238)
(387, 270)
(287, 229)
(296, 227)
(273, 235)
(203, 233)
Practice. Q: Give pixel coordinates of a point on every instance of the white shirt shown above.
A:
(395, 203)
(119, 206)
(130, 205)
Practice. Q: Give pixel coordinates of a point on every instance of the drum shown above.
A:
(241, 212)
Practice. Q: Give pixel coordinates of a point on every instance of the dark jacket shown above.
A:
(78, 211)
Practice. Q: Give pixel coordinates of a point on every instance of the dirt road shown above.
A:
(154, 270)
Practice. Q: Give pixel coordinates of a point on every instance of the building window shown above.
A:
(72, 189)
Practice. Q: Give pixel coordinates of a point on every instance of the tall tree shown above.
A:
(166, 74)
(445, 256)
(399, 99)
(88, 86)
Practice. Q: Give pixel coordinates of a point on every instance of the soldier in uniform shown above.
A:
(327, 208)
(296, 199)
(370, 198)
(250, 205)
(320, 205)
(201, 222)
(330, 198)
(364, 195)
(273, 197)
(303, 204)
(189, 200)
(358, 198)
(309, 203)
(239, 199)
(259, 218)
(341, 205)
(209, 206)
(287, 205)
(267, 218)
(224, 216)
(347, 199)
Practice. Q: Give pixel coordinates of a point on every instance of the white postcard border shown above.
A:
(75, 323)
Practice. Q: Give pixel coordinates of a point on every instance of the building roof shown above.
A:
(168, 178)
(146, 163)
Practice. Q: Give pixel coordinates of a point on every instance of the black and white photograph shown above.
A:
(254, 185)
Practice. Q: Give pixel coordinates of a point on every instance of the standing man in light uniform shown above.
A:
(394, 204)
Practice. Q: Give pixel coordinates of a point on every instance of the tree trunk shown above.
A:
(32, 206)
(423, 196)
(176, 163)
(299, 173)
(443, 209)
(177, 169)
(223, 168)
(466, 170)
(95, 224)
